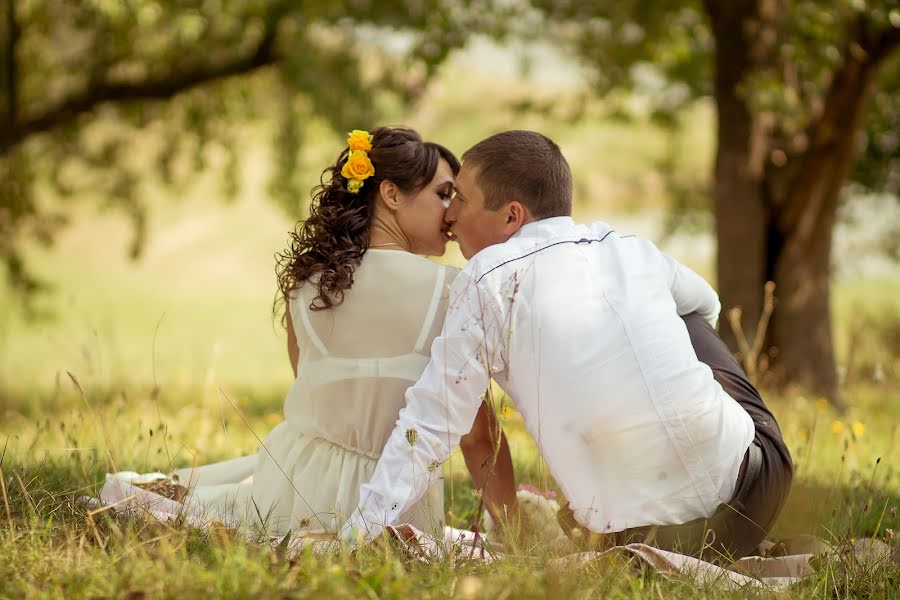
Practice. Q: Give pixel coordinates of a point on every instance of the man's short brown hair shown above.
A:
(524, 166)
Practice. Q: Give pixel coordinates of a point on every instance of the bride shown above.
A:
(362, 310)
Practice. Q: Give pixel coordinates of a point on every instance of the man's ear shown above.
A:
(516, 216)
(390, 194)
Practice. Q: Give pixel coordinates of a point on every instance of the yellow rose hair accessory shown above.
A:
(359, 140)
(358, 166)
(353, 185)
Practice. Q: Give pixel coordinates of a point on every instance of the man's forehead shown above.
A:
(466, 179)
(469, 168)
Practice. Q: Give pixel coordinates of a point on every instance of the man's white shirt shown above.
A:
(581, 327)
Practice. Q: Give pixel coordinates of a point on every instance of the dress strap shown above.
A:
(432, 309)
(307, 326)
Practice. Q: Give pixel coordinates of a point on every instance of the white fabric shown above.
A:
(750, 572)
(356, 361)
(581, 327)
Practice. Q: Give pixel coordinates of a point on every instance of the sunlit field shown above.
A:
(177, 358)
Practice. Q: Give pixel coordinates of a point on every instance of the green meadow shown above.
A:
(177, 358)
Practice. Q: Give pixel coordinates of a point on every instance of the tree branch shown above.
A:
(885, 43)
(826, 164)
(154, 89)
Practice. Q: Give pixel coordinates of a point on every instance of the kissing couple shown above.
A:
(606, 345)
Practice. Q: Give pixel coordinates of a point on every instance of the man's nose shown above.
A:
(450, 215)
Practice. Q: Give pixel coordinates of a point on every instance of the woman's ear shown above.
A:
(390, 194)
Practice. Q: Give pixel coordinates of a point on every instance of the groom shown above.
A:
(607, 346)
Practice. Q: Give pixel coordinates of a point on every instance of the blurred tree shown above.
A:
(804, 91)
(801, 88)
(81, 80)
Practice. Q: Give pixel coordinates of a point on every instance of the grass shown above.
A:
(127, 363)
(50, 547)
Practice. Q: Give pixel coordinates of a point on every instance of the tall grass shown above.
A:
(51, 546)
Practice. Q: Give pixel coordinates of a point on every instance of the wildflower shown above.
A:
(858, 429)
(837, 428)
(412, 436)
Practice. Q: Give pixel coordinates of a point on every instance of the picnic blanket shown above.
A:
(753, 571)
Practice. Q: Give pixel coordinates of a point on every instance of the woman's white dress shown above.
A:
(356, 361)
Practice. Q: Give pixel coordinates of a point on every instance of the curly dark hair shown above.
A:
(329, 244)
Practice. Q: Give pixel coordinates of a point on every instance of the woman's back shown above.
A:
(357, 359)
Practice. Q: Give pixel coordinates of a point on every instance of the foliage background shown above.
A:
(157, 315)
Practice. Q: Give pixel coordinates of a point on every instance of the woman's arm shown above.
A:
(487, 456)
(293, 350)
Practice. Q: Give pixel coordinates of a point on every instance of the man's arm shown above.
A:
(488, 459)
(440, 409)
(691, 292)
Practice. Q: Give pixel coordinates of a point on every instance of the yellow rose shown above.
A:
(359, 140)
(354, 184)
(358, 166)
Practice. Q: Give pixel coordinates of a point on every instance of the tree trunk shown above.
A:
(805, 218)
(742, 217)
(800, 328)
(775, 221)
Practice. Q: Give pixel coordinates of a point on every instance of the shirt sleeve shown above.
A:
(440, 409)
(691, 292)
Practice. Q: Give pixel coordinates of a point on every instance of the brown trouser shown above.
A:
(737, 527)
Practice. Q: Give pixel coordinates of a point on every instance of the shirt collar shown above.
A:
(543, 228)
